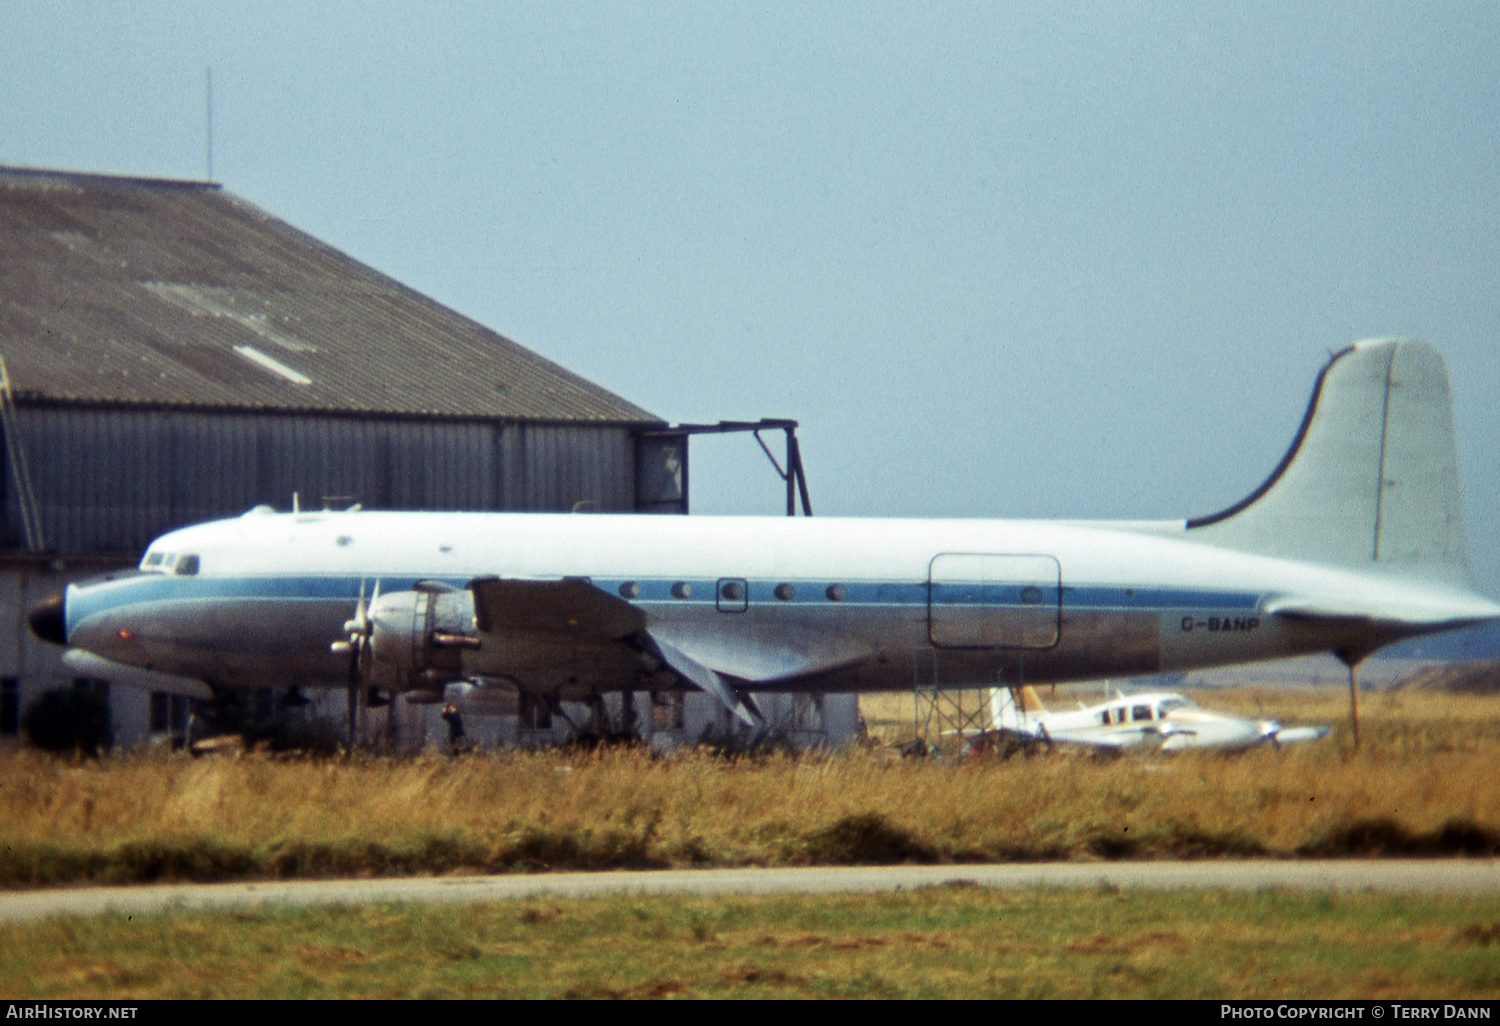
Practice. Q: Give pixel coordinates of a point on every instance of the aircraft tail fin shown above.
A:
(1009, 713)
(1371, 480)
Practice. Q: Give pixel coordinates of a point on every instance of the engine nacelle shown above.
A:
(418, 638)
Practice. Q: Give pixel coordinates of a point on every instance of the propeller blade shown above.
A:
(359, 630)
(359, 623)
(366, 649)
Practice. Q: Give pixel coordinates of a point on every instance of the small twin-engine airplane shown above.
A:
(1161, 721)
(1355, 541)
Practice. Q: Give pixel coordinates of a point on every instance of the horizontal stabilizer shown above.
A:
(1322, 612)
(1434, 610)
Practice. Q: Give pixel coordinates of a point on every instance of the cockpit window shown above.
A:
(187, 565)
(153, 559)
(1168, 704)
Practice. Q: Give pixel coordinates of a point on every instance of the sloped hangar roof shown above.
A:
(170, 293)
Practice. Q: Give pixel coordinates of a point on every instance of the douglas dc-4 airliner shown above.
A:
(1355, 541)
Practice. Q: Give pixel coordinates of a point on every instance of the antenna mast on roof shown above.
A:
(208, 91)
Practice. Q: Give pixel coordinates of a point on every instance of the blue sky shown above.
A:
(1056, 260)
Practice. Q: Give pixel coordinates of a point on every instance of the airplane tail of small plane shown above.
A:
(1371, 480)
(1009, 713)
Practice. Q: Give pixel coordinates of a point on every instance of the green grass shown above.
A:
(954, 941)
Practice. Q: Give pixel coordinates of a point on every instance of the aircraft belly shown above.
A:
(1092, 644)
(1097, 643)
(767, 644)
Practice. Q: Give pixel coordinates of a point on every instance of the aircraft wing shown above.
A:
(1010, 738)
(704, 678)
(1118, 740)
(1102, 741)
(555, 635)
(1291, 735)
(571, 607)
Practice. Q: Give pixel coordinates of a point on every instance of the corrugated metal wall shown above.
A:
(111, 479)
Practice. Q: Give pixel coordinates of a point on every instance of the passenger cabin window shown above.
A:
(187, 565)
(1141, 712)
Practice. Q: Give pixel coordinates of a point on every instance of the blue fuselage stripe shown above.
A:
(89, 598)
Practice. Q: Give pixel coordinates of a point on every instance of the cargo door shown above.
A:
(986, 600)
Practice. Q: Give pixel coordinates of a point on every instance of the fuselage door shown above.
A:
(985, 600)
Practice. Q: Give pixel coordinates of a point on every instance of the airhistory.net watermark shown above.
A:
(44, 1010)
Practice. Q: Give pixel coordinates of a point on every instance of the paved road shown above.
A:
(1407, 876)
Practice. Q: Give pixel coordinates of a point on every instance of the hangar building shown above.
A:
(173, 354)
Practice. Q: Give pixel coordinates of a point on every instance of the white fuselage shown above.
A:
(1157, 721)
(773, 603)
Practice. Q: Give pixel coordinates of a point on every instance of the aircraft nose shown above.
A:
(46, 620)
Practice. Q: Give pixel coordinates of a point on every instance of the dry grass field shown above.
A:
(1426, 782)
